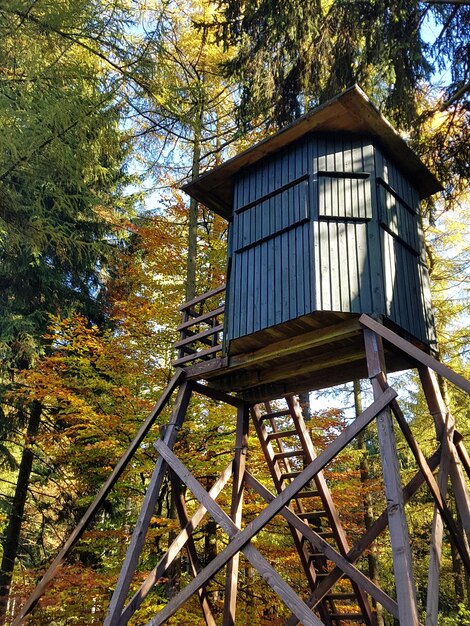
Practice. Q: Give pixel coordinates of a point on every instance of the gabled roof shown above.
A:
(351, 111)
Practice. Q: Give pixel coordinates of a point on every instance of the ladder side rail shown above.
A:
(328, 504)
(276, 473)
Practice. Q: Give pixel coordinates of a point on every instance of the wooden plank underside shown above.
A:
(296, 344)
(310, 360)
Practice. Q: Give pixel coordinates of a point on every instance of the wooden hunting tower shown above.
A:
(324, 225)
(326, 283)
(324, 217)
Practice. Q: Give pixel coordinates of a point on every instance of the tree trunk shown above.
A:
(193, 216)
(368, 507)
(11, 538)
(174, 571)
(304, 401)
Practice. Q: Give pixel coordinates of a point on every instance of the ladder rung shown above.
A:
(307, 494)
(268, 416)
(281, 434)
(288, 475)
(326, 534)
(288, 455)
(341, 596)
(312, 515)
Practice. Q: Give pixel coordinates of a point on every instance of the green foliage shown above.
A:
(459, 618)
(294, 54)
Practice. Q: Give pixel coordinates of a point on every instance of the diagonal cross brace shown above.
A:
(90, 513)
(140, 530)
(366, 540)
(295, 604)
(323, 546)
(271, 510)
(175, 548)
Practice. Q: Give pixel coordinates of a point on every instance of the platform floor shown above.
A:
(313, 352)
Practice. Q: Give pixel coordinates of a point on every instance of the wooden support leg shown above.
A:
(179, 542)
(437, 531)
(135, 547)
(462, 452)
(236, 512)
(440, 413)
(366, 540)
(399, 536)
(191, 548)
(100, 498)
(428, 475)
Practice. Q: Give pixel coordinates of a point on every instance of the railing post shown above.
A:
(199, 329)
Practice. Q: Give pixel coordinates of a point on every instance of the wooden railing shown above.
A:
(201, 328)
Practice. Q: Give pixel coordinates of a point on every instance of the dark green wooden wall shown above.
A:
(328, 224)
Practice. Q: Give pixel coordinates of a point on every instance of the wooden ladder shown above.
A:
(288, 448)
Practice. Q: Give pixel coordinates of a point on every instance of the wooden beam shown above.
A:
(430, 480)
(175, 548)
(415, 353)
(198, 354)
(288, 596)
(366, 540)
(399, 536)
(462, 452)
(201, 370)
(325, 548)
(437, 532)
(440, 412)
(193, 558)
(239, 463)
(198, 336)
(140, 531)
(202, 297)
(295, 344)
(243, 537)
(201, 318)
(100, 498)
(215, 394)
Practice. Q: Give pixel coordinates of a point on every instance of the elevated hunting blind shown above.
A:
(324, 217)
(326, 283)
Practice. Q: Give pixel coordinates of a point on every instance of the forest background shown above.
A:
(106, 107)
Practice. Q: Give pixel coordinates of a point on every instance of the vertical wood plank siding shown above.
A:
(342, 177)
(328, 224)
(271, 265)
(406, 280)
